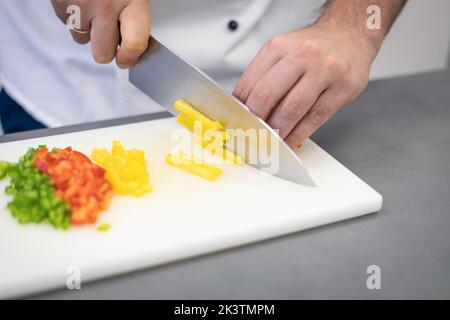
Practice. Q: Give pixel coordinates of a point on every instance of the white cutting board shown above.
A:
(185, 215)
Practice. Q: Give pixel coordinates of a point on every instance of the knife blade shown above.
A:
(166, 77)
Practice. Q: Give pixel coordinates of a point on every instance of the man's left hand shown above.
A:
(299, 80)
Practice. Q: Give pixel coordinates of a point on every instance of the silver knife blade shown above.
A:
(166, 77)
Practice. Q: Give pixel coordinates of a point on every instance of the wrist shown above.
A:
(354, 28)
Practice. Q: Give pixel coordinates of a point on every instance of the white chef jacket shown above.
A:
(58, 82)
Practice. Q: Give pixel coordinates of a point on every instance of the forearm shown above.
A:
(353, 15)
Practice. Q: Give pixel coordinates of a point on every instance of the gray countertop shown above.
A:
(396, 137)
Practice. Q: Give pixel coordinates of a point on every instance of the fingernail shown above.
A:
(122, 65)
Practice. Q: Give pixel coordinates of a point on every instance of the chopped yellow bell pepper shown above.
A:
(208, 133)
(214, 139)
(186, 121)
(126, 170)
(230, 156)
(188, 163)
(189, 112)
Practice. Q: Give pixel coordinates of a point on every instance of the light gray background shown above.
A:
(397, 138)
(419, 40)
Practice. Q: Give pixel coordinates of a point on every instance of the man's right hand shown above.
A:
(117, 29)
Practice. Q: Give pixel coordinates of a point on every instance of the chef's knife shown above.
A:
(166, 77)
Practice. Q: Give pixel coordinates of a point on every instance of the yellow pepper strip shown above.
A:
(126, 170)
(216, 135)
(188, 110)
(186, 121)
(213, 136)
(221, 151)
(188, 163)
(231, 157)
(214, 139)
